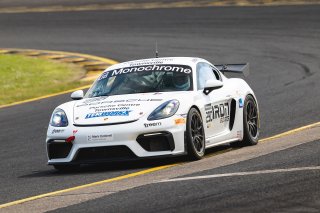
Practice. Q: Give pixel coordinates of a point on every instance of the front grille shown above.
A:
(158, 141)
(107, 153)
(58, 149)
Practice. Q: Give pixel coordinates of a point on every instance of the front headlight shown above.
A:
(59, 118)
(165, 110)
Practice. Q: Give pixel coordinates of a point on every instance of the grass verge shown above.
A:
(23, 77)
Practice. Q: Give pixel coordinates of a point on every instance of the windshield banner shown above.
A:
(164, 67)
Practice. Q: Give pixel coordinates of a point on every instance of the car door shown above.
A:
(216, 103)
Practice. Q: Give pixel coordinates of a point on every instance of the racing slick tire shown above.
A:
(250, 122)
(195, 137)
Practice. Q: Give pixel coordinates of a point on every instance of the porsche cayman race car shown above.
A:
(154, 107)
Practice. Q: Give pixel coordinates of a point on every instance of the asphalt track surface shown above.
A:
(280, 192)
(45, 3)
(281, 43)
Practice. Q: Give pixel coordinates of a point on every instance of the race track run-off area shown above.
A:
(282, 45)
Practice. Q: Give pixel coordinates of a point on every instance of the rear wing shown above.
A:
(234, 68)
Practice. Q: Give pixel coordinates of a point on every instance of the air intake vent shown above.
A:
(106, 153)
(157, 141)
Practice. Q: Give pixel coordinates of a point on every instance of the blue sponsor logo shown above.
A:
(240, 103)
(105, 114)
(104, 75)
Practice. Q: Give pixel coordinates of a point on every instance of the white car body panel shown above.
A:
(86, 124)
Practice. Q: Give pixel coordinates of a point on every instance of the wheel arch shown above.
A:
(197, 108)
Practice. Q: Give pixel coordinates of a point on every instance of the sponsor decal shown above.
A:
(152, 124)
(55, 131)
(145, 63)
(149, 62)
(104, 75)
(113, 107)
(74, 132)
(218, 111)
(178, 121)
(105, 114)
(100, 138)
(90, 100)
(241, 103)
(103, 109)
(123, 103)
(128, 105)
(208, 110)
(147, 68)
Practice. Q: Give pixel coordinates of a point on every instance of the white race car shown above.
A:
(154, 107)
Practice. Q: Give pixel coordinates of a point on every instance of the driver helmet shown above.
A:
(150, 78)
(181, 81)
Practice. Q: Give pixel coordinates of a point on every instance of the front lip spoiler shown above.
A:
(119, 160)
(106, 124)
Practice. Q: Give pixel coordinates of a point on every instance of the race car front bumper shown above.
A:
(134, 140)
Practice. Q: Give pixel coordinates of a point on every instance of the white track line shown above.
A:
(242, 174)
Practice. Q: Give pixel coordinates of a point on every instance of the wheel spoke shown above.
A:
(254, 130)
(192, 124)
(249, 126)
(197, 144)
(252, 110)
(251, 129)
(195, 125)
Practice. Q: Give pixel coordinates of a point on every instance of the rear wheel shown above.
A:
(195, 135)
(250, 122)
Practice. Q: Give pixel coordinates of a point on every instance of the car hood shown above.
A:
(119, 108)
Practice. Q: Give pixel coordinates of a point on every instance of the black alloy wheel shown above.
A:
(250, 121)
(195, 135)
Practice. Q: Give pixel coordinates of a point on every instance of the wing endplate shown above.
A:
(234, 68)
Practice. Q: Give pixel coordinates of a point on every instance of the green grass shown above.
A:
(23, 77)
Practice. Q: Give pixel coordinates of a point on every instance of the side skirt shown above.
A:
(221, 142)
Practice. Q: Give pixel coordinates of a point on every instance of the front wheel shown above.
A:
(250, 121)
(195, 135)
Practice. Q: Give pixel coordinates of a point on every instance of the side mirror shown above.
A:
(212, 85)
(77, 95)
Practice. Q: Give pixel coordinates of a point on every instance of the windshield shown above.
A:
(142, 79)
